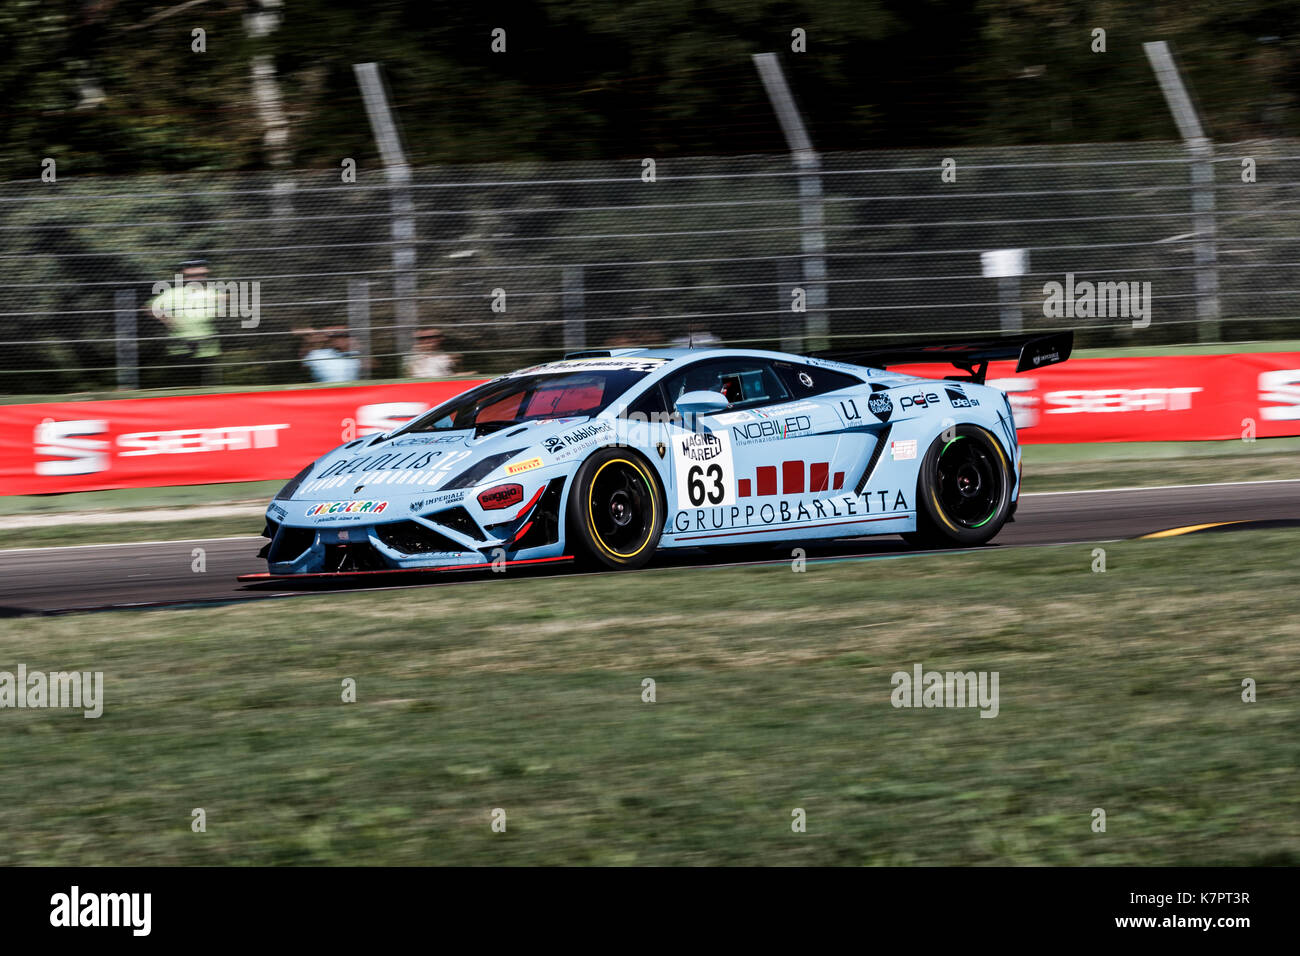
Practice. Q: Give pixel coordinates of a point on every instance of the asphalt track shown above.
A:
(161, 573)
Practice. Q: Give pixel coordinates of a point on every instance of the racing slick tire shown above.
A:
(615, 511)
(963, 490)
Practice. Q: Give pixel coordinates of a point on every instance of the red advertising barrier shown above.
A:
(195, 439)
(141, 442)
(1167, 398)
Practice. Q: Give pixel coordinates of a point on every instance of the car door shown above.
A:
(752, 467)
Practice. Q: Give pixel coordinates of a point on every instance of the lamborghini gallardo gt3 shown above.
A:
(609, 456)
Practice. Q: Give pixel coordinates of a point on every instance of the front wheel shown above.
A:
(616, 510)
(963, 490)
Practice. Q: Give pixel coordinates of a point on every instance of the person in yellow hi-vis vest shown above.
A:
(187, 308)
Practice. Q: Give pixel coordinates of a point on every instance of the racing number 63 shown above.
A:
(696, 489)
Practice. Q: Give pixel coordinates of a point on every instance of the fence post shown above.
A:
(1205, 228)
(1207, 248)
(124, 316)
(575, 317)
(811, 215)
(359, 321)
(786, 279)
(403, 207)
(1007, 266)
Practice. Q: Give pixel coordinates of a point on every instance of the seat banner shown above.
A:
(196, 439)
(248, 436)
(1166, 398)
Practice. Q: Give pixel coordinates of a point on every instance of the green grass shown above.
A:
(123, 503)
(1124, 464)
(1118, 690)
(135, 499)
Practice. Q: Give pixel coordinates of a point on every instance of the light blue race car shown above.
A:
(608, 456)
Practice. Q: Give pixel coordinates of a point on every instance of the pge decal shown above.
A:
(919, 400)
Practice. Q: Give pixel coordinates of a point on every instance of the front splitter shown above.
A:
(264, 576)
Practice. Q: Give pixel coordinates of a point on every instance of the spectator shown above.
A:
(427, 360)
(331, 356)
(187, 310)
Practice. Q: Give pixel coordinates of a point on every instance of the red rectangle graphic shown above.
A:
(792, 477)
(817, 474)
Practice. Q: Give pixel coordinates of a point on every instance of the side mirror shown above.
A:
(701, 403)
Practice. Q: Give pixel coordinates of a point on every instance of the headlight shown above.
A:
(287, 491)
(476, 472)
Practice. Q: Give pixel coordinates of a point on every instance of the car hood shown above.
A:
(413, 465)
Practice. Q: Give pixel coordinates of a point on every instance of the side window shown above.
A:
(806, 380)
(648, 404)
(745, 382)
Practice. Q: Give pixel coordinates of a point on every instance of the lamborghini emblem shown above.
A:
(661, 448)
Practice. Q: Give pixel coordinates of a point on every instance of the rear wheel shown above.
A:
(963, 490)
(616, 510)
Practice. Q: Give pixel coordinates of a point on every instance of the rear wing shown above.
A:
(1030, 352)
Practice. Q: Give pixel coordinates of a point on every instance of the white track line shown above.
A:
(127, 544)
(1206, 484)
(143, 516)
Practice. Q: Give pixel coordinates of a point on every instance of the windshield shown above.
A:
(529, 396)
